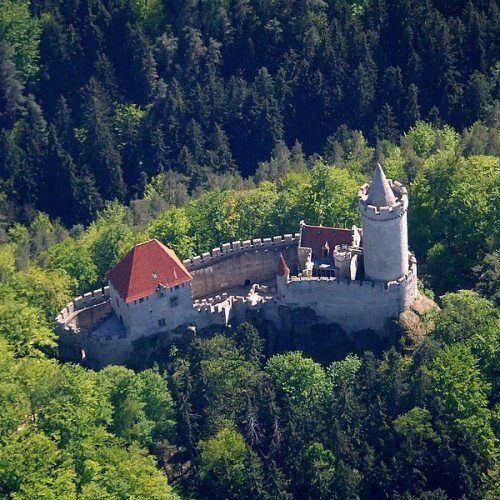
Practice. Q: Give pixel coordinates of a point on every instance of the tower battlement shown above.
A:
(397, 209)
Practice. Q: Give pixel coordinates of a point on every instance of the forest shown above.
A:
(99, 96)
(201, 122)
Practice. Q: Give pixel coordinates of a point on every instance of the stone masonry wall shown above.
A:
(78, 312)
(354, 305)
(83, 312)
(233, 264)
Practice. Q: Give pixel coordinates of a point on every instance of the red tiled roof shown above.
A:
(145, 267)
(283, 269)
(315, 237)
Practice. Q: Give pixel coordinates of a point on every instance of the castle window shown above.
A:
(141, 299)
(117, 303)
(177, 287)
(161, 322)
(174, 302)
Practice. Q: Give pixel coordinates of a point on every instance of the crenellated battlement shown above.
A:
(381, 285)
(384, 212)
(228, 250)
(81, 303)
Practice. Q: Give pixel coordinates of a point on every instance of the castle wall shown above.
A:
(163, 310)
(83, 312)
(102, 352)
(354, 305)
(233, 265)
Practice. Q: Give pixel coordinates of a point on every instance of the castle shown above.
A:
(359, 279)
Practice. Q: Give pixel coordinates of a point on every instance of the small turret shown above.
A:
(282, 275)
(383, 205)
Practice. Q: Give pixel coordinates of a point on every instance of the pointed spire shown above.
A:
(282, 269)
(380, 193)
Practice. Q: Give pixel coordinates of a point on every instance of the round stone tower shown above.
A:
(384, 205)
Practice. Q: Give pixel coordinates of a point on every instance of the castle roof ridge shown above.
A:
(146, 266)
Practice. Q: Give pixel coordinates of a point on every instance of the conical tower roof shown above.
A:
(380, 193)
(282, 269)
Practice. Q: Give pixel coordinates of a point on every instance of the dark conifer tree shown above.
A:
(63, 122)
(59, 181)
(158, 157)
(138, 65)
(186, 163)
(391, 90)
(101, 150)
(195, 141)
(477, 97)
(56, 72)
(12, 99)
(386, 125)
(104, 73)
(412, 108)
(265, 127)
(363, 92)
(219, 157)
(32, 140)
(88, 198)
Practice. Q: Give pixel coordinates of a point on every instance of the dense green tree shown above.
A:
(101, 150)
(300, 379)
(116, 471)
(32, 139)
(488, 283)
(21, 31)
(462, 393)
(32, 465)
(11, 89)
(330, 197)
(25, 328)
(46, 289)
(228, 468)
(76, 259)
(173, 229)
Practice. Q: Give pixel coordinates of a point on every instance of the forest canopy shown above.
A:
(99, 97)
(205, 122)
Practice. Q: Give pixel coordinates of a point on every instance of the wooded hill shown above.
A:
(201, 122)
(98, 96)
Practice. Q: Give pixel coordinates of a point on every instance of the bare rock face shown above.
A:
(423, 304)
(413, 323)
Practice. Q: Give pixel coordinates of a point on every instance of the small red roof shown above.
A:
(316, 237)
(145, 267)
(283, 269)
